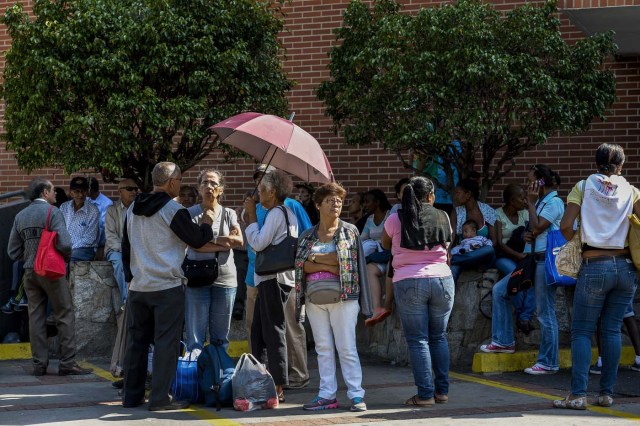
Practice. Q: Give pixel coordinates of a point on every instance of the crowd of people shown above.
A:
(406, 257)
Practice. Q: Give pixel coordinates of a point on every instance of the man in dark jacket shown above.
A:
(23, 244)
(156, 235)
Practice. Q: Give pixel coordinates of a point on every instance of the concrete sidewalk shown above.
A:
(474, 399)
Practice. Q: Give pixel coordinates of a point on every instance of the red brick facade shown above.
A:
(308, 38)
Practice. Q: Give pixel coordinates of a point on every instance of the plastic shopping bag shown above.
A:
(253, 386)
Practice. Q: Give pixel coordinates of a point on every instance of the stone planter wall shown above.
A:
(467, 329)
(96, 299)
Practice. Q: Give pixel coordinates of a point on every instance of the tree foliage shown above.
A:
(499, 83)
(118, 85)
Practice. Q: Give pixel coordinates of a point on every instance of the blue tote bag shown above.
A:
(555, 241)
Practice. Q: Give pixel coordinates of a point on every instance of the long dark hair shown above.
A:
(415, 194)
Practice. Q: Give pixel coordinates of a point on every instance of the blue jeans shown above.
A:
(83, 254)
(208, 306)
(115, 257)
(524, 304)
(424, 306)
(604, 290)
(482, 257)
(545, 305)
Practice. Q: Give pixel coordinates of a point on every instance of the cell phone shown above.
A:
(540, 182)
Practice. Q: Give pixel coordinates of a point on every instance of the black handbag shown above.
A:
(202, 273)
(523, 277)
(278, 257)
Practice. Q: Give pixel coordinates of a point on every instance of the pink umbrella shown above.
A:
(278, 142)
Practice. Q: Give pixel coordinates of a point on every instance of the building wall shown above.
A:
(308, 38)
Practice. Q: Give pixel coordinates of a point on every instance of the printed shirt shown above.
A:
(82, 224)
(488, 214)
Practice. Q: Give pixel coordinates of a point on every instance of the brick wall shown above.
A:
(308, 38)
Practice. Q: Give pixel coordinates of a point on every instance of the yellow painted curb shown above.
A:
(510, 388)
(499, 363)
(9, 351)
(237, 348)
(15, 351)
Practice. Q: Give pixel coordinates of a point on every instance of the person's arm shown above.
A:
(111, 223)
(126, 253)
(274, 224)
(223, 243)
(15, 248)
(568, 219)
(493, 237)
(63, 239)
(192, 234)
(93, 225)
(385, 240)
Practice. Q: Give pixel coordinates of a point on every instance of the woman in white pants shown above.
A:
(330, 278)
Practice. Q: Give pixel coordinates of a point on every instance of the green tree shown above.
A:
(118, 85)
(500, 83)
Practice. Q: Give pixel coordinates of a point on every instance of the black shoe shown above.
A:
(74, 370)
(118, 384)
(126, 404)
(39, 371)
(173, 405)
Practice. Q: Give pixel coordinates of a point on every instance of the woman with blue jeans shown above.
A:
(211, 306)
(418, 236)
(607, 278)
(545, 211)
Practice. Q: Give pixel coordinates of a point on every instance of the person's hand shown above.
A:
(208, 216)
(250, 210)
(533, 192)
(520, 256)
(528, 237)
(334, 269)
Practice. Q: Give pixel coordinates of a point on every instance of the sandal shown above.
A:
(416, 401)
(579, 403)
(281, 397)
(379, 315)
(441, 399)
(604, 401)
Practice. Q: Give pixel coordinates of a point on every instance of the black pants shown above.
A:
(241, 260)
(268, 338)
(156, 316)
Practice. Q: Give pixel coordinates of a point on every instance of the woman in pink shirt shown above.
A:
(418, 236)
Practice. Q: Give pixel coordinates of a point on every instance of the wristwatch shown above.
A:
(313, 257)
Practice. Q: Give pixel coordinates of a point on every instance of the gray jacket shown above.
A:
(27, 229)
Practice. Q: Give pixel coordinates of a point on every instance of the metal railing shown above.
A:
(22, 193)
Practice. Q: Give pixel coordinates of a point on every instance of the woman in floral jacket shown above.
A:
(330, 278)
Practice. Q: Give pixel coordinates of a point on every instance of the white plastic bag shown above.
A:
(253, 386)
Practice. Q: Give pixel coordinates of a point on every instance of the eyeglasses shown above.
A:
(211, 183)
(336, 201)
(130, 188)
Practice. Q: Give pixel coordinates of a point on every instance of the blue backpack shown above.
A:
(215, 368)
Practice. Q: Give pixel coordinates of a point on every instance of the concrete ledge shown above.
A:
(500, 363)
(10, 351)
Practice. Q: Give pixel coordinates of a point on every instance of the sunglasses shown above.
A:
(130, 188)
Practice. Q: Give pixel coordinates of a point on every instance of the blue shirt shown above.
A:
(102, 202)
(82, 224)
(551, 208)
(303, 224)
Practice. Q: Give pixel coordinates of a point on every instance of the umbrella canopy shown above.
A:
(278, 142)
